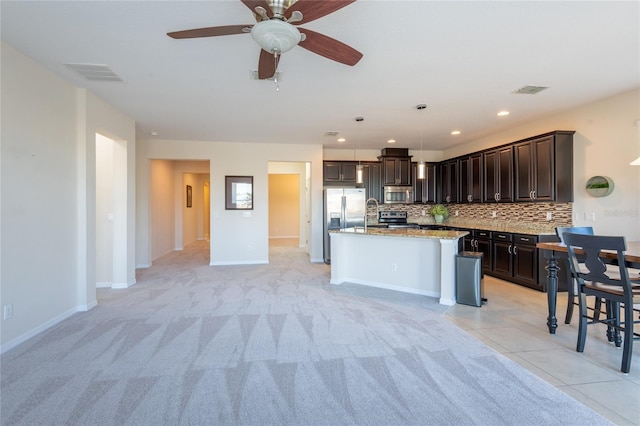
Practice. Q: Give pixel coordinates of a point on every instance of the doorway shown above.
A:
(111, 208)
(289, 204)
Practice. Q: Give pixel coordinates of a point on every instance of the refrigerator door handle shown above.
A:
(343, 212)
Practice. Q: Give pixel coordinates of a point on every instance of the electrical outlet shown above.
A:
(394, 267)
(549, 216)
(424, 212)
(457, 213)
(7, 311)
(590, 216)
(494, 214)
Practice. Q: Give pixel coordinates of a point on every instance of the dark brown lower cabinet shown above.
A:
(515, 258)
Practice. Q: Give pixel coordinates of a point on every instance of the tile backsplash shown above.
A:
(542, 217)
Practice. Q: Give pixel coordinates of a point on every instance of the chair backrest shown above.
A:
(560, 230)
(587, 265)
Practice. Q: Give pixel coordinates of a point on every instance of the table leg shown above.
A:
(552, 291)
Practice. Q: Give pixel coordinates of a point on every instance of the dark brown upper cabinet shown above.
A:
(498, 175)
(448, 174)
(471, 178)
(396, 170)
(339, 172)
(544, 168)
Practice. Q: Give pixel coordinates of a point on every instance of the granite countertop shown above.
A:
(531, 228)
(404, 232)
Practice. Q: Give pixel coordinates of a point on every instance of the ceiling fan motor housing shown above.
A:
(276, 36)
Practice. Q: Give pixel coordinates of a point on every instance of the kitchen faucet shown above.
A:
(366, 214)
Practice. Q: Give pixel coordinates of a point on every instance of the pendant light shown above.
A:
(421, 165)
(359, 170)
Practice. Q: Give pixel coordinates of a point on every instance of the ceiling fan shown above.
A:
(275, 31)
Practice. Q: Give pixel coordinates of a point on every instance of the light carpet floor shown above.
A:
(275, 344)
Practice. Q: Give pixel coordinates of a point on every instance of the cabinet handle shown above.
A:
(499, 197)
(534, 194)
(469, 198)
(509, 249)
(515, 250)
(448, 198)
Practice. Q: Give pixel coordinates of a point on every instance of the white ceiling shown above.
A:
(463, 59)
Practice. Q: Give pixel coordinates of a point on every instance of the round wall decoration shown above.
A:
(599, 186)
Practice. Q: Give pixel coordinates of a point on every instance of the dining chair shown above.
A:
(610, 284)
(571, 284)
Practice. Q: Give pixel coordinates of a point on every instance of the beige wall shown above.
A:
(284, 206)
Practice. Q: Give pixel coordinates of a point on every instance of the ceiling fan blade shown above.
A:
(210, 31)
(314, 9)
(267, 64)
(329, 47)
(252, 4)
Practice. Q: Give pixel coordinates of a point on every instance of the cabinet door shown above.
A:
(501, 257)
(544, 176)
(523, 153)
(403, 171)
(449, 182)
(373, 180)
(331, 172)
(498, 175)
(505, 175)
(349, 172)
(389, 171)
(484, 246)
(525, 265)
(424, 190)
(471, 178)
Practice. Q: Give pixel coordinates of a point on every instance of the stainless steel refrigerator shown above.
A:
(343, 208)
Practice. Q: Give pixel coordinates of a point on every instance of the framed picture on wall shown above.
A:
(189, 196)
(238, 192)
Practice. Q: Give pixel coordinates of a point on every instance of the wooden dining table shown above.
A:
(632, 260)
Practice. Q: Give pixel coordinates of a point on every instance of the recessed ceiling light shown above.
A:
(456, 132)
(391, 141)
(342, 140)
(153, 133)
(503, 113)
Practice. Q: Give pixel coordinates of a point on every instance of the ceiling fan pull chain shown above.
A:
(275, 72)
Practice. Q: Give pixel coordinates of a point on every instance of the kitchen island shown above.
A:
(409, 260)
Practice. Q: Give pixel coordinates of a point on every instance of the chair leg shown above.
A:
(597, 308)
(582, 324)
(616, 316)
(627, 349)
(571, 299)
(610, 330)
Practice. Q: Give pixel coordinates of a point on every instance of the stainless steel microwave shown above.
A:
(398, 194)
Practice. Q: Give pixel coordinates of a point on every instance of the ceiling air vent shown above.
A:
(94, 72)
(333, 134)
(530, 90)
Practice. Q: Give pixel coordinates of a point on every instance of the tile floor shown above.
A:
(513, 322)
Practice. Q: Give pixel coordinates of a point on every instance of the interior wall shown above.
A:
(237, 236)
(162, 202)
(48, 177)
(39, 189)
(284, 206)
(104, 210)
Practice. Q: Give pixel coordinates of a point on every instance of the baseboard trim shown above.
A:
(45, 326)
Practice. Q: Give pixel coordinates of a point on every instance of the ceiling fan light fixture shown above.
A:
(276, 36)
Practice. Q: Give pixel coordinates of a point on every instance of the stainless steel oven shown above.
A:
(398, 194)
